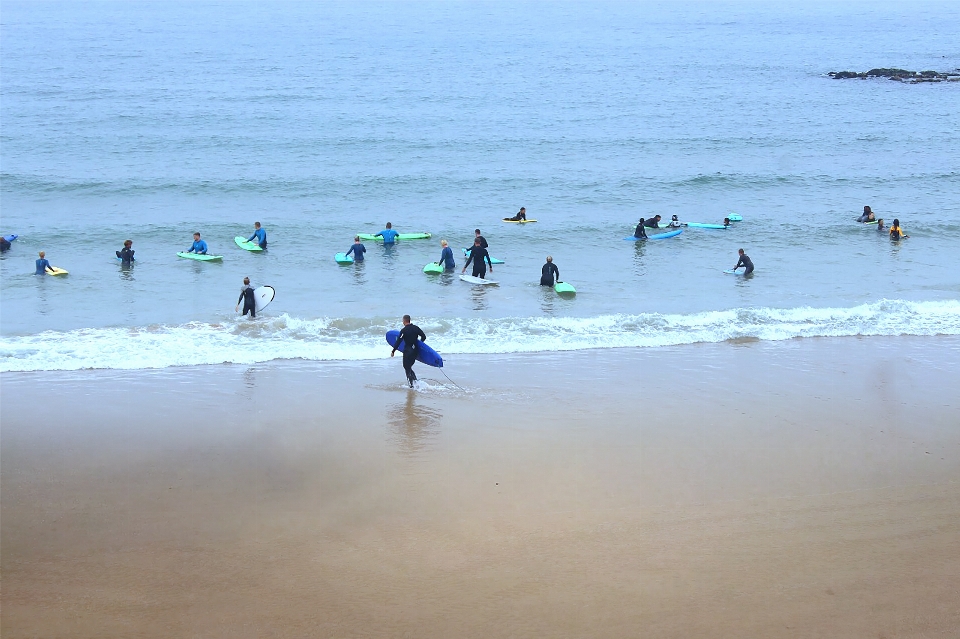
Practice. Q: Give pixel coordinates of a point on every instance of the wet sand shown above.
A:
(796, 489)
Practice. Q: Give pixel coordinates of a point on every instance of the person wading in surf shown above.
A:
(409, 335)
(477, 255)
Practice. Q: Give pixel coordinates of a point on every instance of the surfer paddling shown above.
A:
(519, 217)
(409, 335)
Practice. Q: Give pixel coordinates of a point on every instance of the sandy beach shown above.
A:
(806, 488)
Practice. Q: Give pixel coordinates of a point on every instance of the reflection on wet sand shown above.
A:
(413, 425)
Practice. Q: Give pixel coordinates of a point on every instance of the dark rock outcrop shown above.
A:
(900, 75)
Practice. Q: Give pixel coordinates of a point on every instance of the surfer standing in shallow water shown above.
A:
(411, 347)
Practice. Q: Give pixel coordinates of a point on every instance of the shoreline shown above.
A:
(778, 489)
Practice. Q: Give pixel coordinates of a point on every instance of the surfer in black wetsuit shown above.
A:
(549, 272)
(640, 232)
(248, 298)
(126, 253)
(477, 254)
(653, 222)
(411, 347)
(745, 262)
(519, 217)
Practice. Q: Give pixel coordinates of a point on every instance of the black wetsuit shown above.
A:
(516, 218)
(483, 242)
(249, 300)
(547, 273)
(126, 255)
(477, 255)
(640, 231)
(746, 263)
(652, 223)
(4, 244)
(411, 348)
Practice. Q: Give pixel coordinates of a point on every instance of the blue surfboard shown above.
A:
(10, 238)
(425, 355)
(655, 236)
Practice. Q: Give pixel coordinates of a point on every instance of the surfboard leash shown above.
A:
(452, 382)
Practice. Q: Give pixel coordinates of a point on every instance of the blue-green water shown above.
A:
(148, 121)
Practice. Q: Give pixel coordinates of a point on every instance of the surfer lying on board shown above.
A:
(519, 217)
(199, 246)
(248, 299)
(477, 254)
(653, 222)
(549, 272)
(260, 235)
(640, 231)
(745, 262)
(43, 266)
(411, 347)
(358, 249)
(388, 234)
(126, 253)
(446, 257)
(867, 215)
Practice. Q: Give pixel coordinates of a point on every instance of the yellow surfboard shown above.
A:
(57, 271)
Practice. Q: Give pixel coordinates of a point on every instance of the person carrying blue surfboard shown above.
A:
(409, 335)
(388, 234)
(199, 246)
(446, 256)
(260, 235)
(358, 249)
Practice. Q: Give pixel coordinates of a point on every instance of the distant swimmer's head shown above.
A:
(896, 221)
(523, 209)
(726, 220)
(549, 258)
(128, 243)
(476, 231)
(740, 251)
(675, 218)
(641, 220)
(389, 225)
(443, 243)
(657, 218)
(42, 254)
(256, 225)
(406, 320)
(246, 281)
(196, 235)
(356, 239)
(866, 210)
(476, 242)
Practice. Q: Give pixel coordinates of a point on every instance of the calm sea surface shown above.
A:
(148, 121)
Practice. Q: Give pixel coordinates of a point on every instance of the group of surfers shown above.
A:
(478, 255)
(894, 230)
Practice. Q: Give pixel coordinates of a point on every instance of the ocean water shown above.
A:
(150, 120)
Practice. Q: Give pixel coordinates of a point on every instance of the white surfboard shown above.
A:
(475, 280)
(263, 295)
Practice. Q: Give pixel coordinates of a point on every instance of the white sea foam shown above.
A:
(285, 337)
